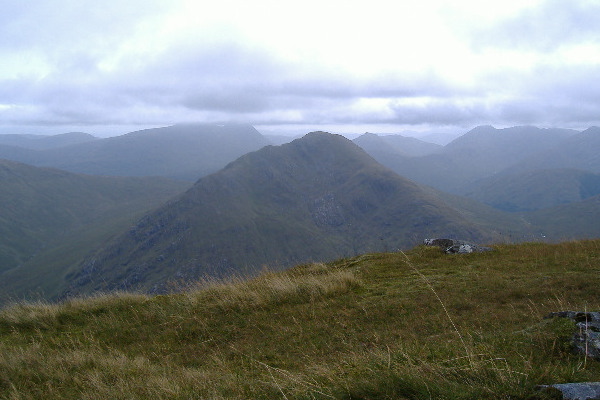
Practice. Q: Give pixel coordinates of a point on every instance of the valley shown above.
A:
(313, 199)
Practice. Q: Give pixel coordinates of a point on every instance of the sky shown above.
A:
(289, 67)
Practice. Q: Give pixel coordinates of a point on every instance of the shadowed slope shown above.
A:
(317, 198)
(42, 209)
(534, 190)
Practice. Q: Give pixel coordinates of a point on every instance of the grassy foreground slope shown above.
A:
(418, 325)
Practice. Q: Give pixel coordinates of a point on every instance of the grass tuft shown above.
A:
(419, 325)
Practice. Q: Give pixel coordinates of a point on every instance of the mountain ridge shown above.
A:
(182, 151)
(316, 198)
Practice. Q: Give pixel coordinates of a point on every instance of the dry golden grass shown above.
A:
(378, 326)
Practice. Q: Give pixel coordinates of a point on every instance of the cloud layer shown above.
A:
(335, 64)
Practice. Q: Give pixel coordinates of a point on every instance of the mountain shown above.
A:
(390, 145)
(45, 210)
(316, 198)
(44, 142)
(480, 153)
(580, 151)
(185, 151)
(568, 221)
(534, 190)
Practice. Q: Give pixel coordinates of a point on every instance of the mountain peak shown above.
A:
(317, 198)
(592, 130)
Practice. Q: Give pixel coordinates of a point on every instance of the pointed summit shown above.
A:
(317, 198)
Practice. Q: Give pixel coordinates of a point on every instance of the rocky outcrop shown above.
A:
(574, 391)
(453, 246)
(585, 341)
(586, 338)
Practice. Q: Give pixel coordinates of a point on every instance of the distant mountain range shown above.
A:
(317, 198)
(580, 151)
(44, 142)
(480, 153)
(186, 151)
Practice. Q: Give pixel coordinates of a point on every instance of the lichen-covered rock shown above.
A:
(575, 391)
(453, 246)
(586, 338)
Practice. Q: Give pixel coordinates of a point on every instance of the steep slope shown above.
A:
(185, 151)
(478, 154)
(317, 198)
(580, 151)
(534, 190)
(42, 209)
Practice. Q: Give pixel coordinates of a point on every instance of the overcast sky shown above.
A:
(113, 66)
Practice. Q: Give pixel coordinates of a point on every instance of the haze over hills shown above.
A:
(478, 154)
(43, 210)
(316, 198)
(186, 151)
(44, 142)
(537, 189)
(568, 221)
(394, 145)
(580, 151)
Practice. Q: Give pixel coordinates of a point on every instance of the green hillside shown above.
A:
(419, 325)
(51, 218)
(318, 198)
(535, 190)
(578, 220)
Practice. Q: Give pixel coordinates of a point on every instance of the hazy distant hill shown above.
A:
(389, 145)
(45, 210)
(580, 151)
(534, 190)
(317, 198)
(279, 139)
(440, 138)
(185, 151)
(569, 221)
(477, 154)
(44, 142)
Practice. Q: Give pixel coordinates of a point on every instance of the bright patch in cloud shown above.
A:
(335, 63)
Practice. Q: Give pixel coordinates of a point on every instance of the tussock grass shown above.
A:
(298, 286)
(420, 325)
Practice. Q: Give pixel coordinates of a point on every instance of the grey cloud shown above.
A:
(443, 112)
(204, 78)
(49, 24)
(547, 26)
